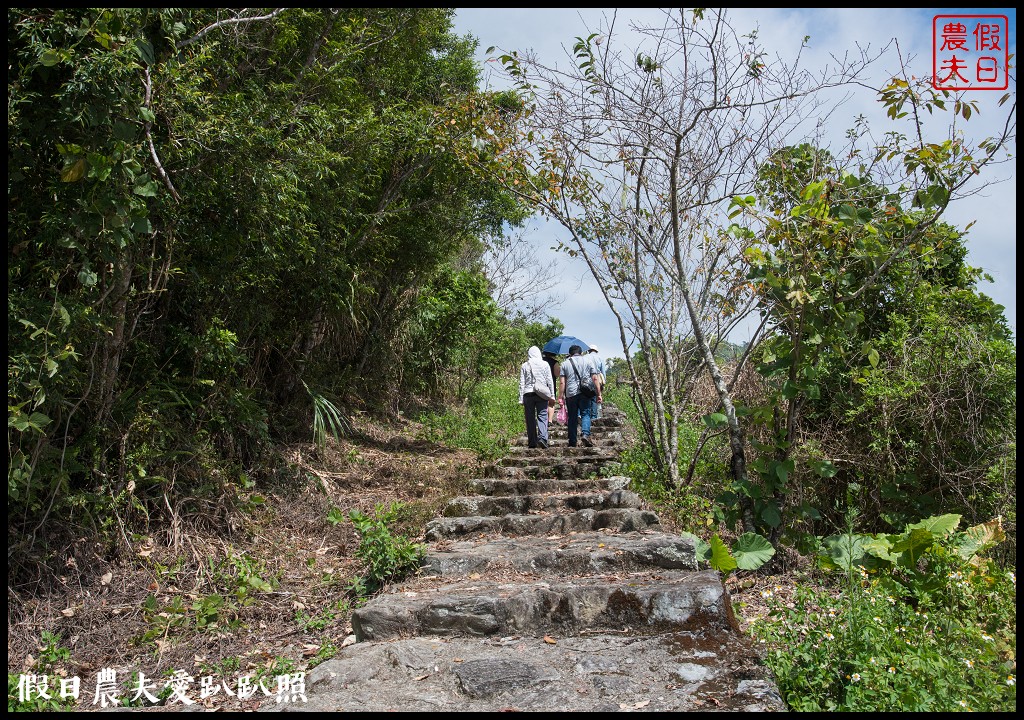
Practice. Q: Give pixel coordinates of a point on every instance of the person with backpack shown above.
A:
(580, 387)
(536, 392)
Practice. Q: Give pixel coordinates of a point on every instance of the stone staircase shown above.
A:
(550, 589)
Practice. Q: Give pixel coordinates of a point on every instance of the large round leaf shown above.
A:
(937, 525)
(752, 551)
(844, 551)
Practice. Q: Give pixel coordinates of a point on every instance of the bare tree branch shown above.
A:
(228, 22)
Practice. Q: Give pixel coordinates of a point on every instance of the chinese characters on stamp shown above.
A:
(970, 52)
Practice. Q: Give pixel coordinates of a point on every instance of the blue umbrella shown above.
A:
(561, 344)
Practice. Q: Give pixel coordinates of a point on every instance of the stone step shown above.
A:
(525, 504)
(607, 420)
(560, 440)
(606, 431)
(580, 554)
(562, 451)
(685, 671)
(574, 470)
(596, 431)
(618, 519)
(556, 454)
(530, 486)
(601, 425)
(642, 604)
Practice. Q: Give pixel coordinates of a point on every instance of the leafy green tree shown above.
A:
(208, 209)
(847, 272)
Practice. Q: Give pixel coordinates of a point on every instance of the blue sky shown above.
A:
(548, 32)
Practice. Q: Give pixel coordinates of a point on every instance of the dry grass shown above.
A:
(96, 606)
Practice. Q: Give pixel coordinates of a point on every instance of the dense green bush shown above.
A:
(922, 623)
(202, 222)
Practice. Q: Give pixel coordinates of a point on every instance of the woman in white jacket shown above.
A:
(536, 392)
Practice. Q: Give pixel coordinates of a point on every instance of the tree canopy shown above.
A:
(213, 214)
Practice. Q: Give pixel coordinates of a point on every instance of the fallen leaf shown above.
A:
(310, 650)
(458, 660)
(153, 587)
(107, 577)
(297, 605)
(422, 677)
(67, 612)
(550, 640)
(145, 552)
(642, 704)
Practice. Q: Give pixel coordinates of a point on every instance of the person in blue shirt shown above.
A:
(577, 376)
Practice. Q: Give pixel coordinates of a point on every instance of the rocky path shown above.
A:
(549, 589)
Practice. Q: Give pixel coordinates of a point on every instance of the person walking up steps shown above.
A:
(580, 386)
(598, 362)
(536, 391)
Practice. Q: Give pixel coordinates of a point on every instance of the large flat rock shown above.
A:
(530, 486)
(620, 519)
(580, 554)
(638, 603)
(522, 504)
(683, 671)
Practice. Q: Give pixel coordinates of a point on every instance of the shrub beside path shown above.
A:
(550, 589)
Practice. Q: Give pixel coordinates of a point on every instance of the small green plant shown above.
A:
(336, 516)
(327, 419)
(278, 666)
(749, 552)
(325, 653)
(40, 690)
(223, 667)
(314, 622)
(385, 556)
(923, 622)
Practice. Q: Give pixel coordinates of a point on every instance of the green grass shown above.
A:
(487, 423)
